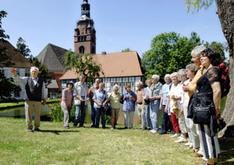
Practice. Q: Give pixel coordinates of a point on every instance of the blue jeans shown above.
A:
(147, 116)
(93, 115)
(100, 112)
(81, 107)
(154, 114)
(165, 118)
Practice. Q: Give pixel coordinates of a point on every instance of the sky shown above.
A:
(119, 24)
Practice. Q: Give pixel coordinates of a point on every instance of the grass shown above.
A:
(54, 145)
(11, 105)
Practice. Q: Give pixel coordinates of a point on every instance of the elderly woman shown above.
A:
(129, 99)
(114, 99)
(155, 97)
(146, 102)
(181, 117)
(67, 102)
(191, 70)
(174, 97)
(208, 94)
(99, 99)
(163, 102)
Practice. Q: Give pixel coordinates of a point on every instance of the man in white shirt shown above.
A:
(35, 93)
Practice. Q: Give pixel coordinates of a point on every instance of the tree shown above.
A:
(43, 70)
(220, 47)
(226, 16)
(83, 64)
(126, 50)
(22, 47)
(169, 52)
(7, 85)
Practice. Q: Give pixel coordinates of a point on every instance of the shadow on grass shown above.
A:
(57, 132)
(226, 156)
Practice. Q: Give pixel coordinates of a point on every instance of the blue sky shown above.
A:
(119, 24)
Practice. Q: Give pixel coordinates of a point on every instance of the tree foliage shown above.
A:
(127, 50)
(169, 52)
(43, 70)
(22, 47)
(83, 64)
(7, 85)
(198, 4)
(221, 47)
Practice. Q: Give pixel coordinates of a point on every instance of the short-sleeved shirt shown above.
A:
(164, 92)
(100, 96)
(177, 92)
(129, 104)
(185, 96)
(155, 91)
(114, 100)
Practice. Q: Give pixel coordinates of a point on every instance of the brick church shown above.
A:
(119, 68)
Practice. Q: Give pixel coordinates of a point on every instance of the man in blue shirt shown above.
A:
(163, 102)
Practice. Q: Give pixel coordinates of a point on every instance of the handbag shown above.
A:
(202, 114)
(107, 109)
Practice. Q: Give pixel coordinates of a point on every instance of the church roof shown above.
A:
(123, 64)
(53, 57)
(16, 57)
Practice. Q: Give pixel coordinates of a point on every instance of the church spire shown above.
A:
(85, 8)
(85, 34)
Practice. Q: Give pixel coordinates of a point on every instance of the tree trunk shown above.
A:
(226, 17)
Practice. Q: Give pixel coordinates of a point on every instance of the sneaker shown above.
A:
(66, 127)
(153, 131)
(181, 140)
(189, 147)
(37, 129)
(187, 144)
(112, 128)
(175, 135)
(125, 127)
(30, 130)
(200, 152)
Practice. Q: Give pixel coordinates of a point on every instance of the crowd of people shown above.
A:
(197, 84)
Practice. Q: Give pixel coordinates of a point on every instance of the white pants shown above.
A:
(141, 115)
(128, 118)
(188, 123)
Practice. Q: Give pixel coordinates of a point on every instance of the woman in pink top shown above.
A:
(67, 102)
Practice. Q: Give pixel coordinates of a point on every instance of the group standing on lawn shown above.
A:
(195, 87)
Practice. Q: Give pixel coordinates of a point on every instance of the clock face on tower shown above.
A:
(85, 12)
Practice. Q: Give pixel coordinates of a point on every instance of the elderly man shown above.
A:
(35, 93)
(91, 93)
(196, 53)
(139, 107)
(163, 102)
(80, 100)
(155, 97)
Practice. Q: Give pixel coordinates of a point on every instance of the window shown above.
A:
(2, 71)
(81, 49)
(27, 72)
(17, 94)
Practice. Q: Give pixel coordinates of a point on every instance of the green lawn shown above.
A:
(54, 145)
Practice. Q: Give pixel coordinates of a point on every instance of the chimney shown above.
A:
(103, 53)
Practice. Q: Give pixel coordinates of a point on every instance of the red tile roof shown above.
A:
(123, 64)
(16, 57)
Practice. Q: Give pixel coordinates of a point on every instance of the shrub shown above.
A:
(56, 112)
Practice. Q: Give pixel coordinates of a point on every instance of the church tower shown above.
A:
(85, 33)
